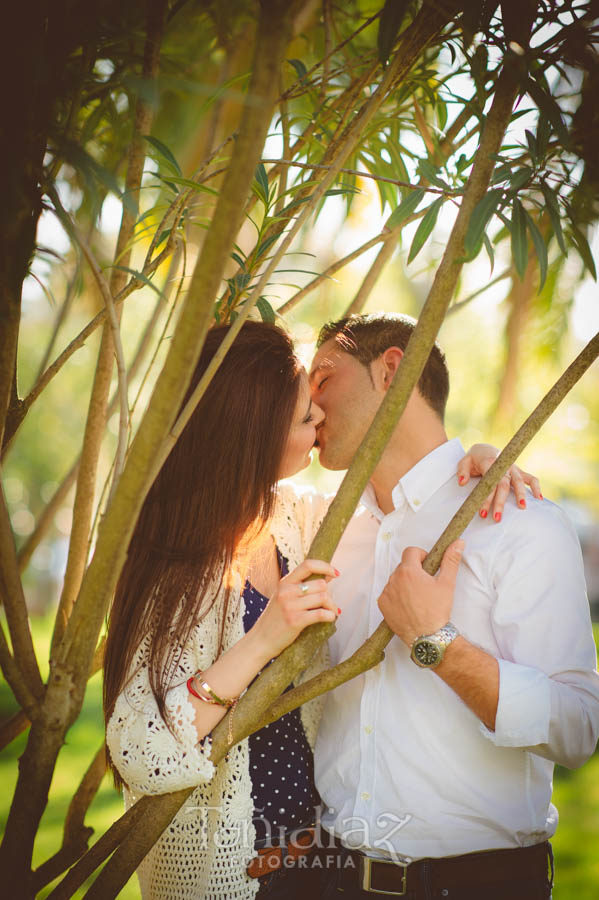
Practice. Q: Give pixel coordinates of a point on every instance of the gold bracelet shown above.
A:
(212, 698)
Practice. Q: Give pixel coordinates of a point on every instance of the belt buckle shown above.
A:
(366, 876)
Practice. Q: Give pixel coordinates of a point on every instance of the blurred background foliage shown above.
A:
(526, 301)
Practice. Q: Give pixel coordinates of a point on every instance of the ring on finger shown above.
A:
(303, 589)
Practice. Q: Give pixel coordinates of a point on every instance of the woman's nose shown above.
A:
(317, 413)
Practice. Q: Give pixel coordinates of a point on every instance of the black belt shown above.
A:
(398, 879)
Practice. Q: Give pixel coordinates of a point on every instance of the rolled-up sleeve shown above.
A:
(548, 680)
(151, 757)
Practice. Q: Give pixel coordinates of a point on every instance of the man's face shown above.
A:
(342, 387)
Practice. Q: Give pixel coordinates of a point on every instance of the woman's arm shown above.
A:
(153, 758)
(293, 608)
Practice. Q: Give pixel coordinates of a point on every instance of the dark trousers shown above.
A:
(299, 882)
(340, 881)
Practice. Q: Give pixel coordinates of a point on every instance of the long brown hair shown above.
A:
(218, 479)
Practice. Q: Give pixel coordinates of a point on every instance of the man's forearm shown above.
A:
(474, 675)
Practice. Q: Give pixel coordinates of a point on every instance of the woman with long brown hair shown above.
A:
(192, 625)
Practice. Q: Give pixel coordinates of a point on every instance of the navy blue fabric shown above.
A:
(281, 764)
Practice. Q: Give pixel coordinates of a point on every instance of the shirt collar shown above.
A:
(422, 481)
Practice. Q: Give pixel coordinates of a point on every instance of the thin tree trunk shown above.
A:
(96, 418)
(64, 695)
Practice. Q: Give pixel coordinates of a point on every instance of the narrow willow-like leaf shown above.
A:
(549, 107)
(519, 241)
(532, 145)
(490, 251)
(424, 229)
(165, 152)
(479, 220)
(540, 248)
(553, 209)
(299, 68)
(405, 208)
(390, 22)
(140, 277)
(266, 243)
(262, 180)
(582, 245)
(266, 311)
(431, 173)
(186, 182)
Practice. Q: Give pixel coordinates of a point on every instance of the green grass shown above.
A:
(576, 795)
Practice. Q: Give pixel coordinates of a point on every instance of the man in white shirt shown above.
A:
(424, 771)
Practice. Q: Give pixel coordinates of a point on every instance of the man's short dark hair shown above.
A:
(367, 337)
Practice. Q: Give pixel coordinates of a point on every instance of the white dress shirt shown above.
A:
(402, 764)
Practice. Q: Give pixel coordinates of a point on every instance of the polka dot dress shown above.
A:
(281, 766)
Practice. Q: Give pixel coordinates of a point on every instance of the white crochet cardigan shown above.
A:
(203, 853)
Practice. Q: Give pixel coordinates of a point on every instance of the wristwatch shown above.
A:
(428, 649)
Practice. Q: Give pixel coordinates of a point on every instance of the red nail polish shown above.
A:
(483, 513)
(497, 517)
(461, 479)
(522, 503)
(337, 572)
(541, 497)
(338, 611)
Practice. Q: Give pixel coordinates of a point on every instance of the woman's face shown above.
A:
(302, 435)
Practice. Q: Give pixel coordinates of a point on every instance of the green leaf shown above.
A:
(349, 189)
(532, 145)
(299, 68)
(543, 133)
(519, 240)
(490, 251)
(549, 107)
(582, 245)
(430, 172)
(390, 22)
(268, 242)
(520, 177)
(540, 248)
(479, 219)
(405, 208)
(266, 311)
(165, 152)
(140, 277)
(262, 179)
(238, 259)
(424, 229)
(172, 180)
(553, 209)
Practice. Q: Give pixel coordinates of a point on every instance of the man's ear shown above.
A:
(386, 366)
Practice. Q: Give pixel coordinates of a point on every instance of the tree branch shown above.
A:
(96, 418)
(76, 834)
(372, 276)
(14, 677)
(113, 322)
(15, 608)
(364, 174)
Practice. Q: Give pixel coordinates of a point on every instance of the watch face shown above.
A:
(426, 653)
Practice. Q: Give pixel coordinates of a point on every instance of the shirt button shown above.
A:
(368, 729)
(386, 536)
(365, 795)
(416, 502)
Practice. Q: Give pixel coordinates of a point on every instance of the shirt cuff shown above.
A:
(524, 707)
